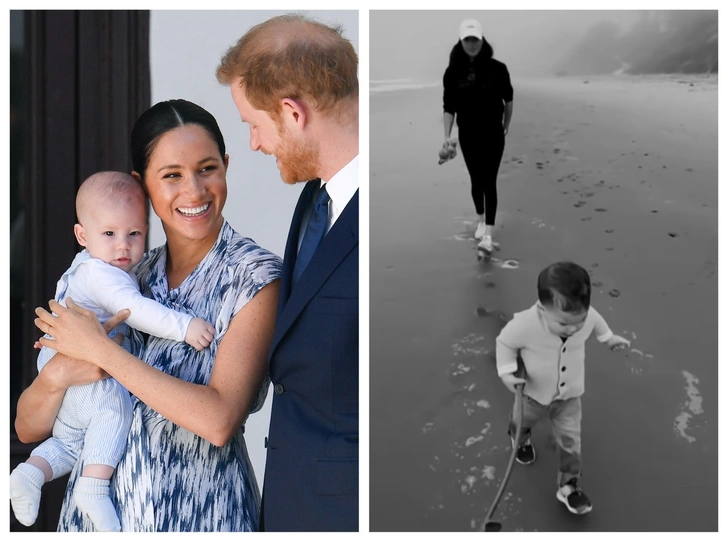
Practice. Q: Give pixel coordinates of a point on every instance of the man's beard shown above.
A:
(298, 161)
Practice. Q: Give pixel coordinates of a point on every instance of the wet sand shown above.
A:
(617, 174)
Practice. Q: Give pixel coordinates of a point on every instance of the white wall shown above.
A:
(186, 47)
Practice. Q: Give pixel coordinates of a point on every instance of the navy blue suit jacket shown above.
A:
(312, 466)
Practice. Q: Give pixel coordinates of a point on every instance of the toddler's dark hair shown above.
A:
(565, 286)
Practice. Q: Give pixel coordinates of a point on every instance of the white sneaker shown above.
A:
(480, 231)
(486, 244)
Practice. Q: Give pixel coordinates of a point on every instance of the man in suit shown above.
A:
(294, 81)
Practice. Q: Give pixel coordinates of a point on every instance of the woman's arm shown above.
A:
(447, 120)
(507, 116)
(448, 102)
(215, 411)
(39, 403)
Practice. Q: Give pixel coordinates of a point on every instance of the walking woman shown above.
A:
(478, 93)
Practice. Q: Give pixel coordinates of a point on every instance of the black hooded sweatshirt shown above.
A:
(475, 91)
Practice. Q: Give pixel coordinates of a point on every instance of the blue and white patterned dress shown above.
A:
(171, 479)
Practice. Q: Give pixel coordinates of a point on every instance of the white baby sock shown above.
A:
(25, 483)
(92, 498)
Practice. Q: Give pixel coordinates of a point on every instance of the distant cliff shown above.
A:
(659, 42)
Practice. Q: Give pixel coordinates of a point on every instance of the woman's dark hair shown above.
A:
(459, 59)
(160, 119)
(565, 286)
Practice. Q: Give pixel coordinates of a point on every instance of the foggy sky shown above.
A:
(417, 44)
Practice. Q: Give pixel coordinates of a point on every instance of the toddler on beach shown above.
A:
(94, 419)
(550, 339)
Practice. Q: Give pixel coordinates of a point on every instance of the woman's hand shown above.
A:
(75, 332)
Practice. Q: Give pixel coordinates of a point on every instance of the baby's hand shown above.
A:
(199, 334)
(511, 381)
(616, 342)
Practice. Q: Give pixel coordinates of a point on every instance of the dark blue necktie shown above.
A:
(315, 231)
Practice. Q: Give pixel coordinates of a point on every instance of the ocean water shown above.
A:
(379, 86)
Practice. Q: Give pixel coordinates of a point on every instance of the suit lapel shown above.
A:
(291, 251)
(338, 243)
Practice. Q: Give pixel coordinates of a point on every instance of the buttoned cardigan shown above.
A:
(554, 368)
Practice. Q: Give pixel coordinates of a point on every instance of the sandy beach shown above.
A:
(619, 174)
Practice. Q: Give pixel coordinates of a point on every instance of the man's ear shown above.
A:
(80, 234)
(293, 113)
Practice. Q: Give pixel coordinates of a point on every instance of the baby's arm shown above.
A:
(605, 335)
(114, 290)
(506, 356)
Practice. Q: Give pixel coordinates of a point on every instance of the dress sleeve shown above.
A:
(507, 345)
(601, 329)
(114, 290)
(506, 87)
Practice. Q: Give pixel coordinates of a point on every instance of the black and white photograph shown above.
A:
(543, 341)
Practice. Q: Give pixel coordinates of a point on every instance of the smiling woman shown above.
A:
(186, 466)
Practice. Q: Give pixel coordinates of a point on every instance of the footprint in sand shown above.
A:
(461, 369)
(472, 344)
(505, 264)
(693, 406)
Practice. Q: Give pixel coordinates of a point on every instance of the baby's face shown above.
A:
(563, 324)
(115, 233)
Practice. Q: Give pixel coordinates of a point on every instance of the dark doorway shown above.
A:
(78, 81)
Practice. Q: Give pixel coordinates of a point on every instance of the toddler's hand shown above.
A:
(616, 342)
(199, 334)
(511, 381)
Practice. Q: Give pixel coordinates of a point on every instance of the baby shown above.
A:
(550, 339)
(94, 419)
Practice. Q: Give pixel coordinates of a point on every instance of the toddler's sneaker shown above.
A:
(480, 231)
(574, 498)
(486, 243)
(526, 453)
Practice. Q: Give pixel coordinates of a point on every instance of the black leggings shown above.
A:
(482, 151)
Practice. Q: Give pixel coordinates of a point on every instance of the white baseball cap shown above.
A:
(470, 28)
